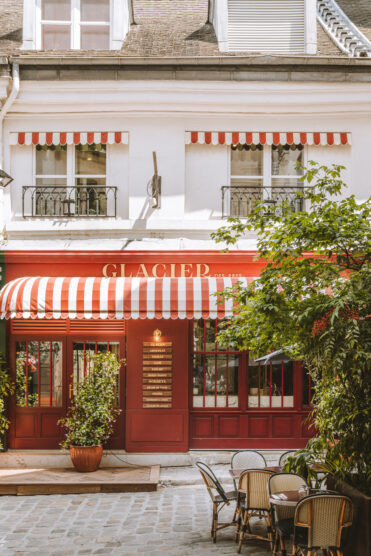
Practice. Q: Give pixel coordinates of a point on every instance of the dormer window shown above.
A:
(75, 24)
(266, 26)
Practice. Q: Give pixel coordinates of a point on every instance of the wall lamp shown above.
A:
(157, 335)
(5, 179)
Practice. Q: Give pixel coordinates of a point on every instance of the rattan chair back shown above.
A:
(280, 482)
(320, 520)
(284, 457)
(248, 459)
(211, 482)
(253, 483)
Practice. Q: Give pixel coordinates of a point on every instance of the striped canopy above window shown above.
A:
(116, 298)
(267, 138)
(69, 138)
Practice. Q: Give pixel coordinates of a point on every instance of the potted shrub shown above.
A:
(89, 421)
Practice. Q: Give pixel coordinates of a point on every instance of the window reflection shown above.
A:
(39, 374)
(215, 371)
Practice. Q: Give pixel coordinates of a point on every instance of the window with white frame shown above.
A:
(70, 180)
(263, 173)
(75, 24)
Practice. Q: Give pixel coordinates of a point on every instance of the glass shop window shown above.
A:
(80, 24)
(82, 353)
(215, 370)
(39, 374)
(271, 385)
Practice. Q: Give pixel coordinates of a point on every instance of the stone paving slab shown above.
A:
(173, 521)
(68, 481)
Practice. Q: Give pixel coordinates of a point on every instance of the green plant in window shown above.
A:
(313, 299)
(90, 419)
(21, 380)
(6, 389)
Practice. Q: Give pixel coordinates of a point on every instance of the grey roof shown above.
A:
(359, 12)
(166, 28)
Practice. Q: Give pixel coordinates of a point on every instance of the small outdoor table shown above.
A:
(236, 473)
(288, 497)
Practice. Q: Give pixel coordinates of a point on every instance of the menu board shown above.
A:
(157, 374)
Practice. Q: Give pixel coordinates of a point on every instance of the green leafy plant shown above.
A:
(313, 298)
(6, 389)
(90, 419)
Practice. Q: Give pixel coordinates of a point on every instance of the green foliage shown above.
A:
(6, 389)
(90, 419)
(313, 299)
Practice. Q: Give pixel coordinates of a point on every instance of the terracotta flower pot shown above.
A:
(86, 458)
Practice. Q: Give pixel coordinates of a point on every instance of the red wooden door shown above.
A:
(81, 346)
(38, 367)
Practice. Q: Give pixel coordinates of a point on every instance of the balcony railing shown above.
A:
(56, 201)
(240, 200)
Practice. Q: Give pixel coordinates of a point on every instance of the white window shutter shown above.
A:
(120, 22)
(266, 26)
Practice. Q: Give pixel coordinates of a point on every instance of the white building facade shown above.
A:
(227, 124)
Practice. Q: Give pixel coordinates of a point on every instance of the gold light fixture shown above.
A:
(157, 335)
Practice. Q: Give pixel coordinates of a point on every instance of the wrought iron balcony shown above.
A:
(240, 200)
(58, 201)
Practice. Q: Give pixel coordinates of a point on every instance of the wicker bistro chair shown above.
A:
(283, 516)
(284, 457)
(255, 502)
(247, 459)
(219, 497)
(322, 522)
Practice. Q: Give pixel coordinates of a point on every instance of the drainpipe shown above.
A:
(3, 112)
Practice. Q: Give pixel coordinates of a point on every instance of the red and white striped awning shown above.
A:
(265, 138)
(116, 298)
(69, 138)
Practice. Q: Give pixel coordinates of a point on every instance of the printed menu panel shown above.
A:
(157, 386)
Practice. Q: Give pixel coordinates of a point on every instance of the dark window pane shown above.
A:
(198, 380)
(210, 335)
(253, 384)
(288, 380)
(277, 385)
(198, 335)
(90, 160)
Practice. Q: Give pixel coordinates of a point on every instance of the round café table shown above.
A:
(288, 497)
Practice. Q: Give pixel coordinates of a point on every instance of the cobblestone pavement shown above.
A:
(173, 521)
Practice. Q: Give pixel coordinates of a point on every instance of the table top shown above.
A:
(288, 497)
(235, 473)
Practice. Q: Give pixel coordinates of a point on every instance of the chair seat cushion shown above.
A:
(232, 495)
(285, 527)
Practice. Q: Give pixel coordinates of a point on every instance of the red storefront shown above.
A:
(178, 389)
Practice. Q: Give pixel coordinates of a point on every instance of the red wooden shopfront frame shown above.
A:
(183, 427)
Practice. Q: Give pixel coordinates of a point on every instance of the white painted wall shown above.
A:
(157, 115)
(206, 172)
